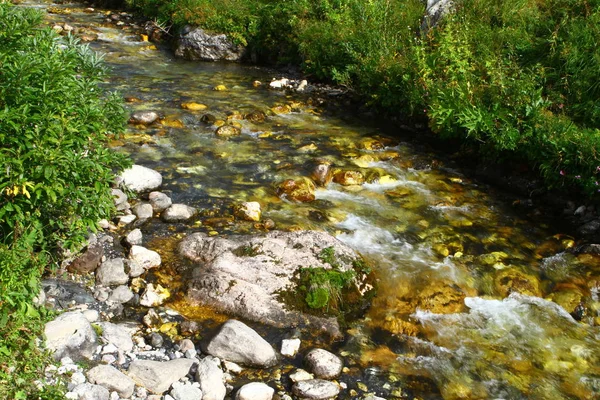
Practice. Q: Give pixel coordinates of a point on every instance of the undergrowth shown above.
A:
(516, 79)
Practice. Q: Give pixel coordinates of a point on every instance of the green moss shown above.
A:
(324, 287)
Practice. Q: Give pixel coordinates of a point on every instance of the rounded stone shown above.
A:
(324, 364)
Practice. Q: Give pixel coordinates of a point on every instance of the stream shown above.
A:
(473, 301)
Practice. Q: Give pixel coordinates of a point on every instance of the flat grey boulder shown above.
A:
(112, 379)
(143, 210)
(178, 213)
(245, 275)
(112, 272)
(158, 376)
(140, 179)
(315, 389)
(71, 335)
(144, 117)
(255, 391)
(121, 294)
(197, 44)
(89, 391)
(134, 237)
(211, 379)
(116, 335)
(323, 364)
(239, 343)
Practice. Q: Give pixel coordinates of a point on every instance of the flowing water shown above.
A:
(468, 297)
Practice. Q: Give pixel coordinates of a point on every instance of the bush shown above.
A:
(55, 179)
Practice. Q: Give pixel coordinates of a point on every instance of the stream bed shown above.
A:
(473, 302)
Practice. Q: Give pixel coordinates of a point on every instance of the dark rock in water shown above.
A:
(88, 261)
(246, 276)
(197, 44)
(208, 119)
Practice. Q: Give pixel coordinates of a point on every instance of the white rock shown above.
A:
(141, 179)
(158, 376)
(279, 84)
(315, 389)
(249, 211)
(324, 364)
(78, 378)
(144, 117)
(159, 201)
(154, 297)
(255, 391)
(88, 391)
(134, 237)
(239, 343)
(211, 379)
(71, 334)
(112, 379)
(91, 315)
(178, 212)
(143, 210)
(302, 85)
(185, 391)
(301, 375)
(126, 219)
(120, 199)
(111, 272)
(232, 367)
(144, 257)
(116, 335)
(290, 347)
(109, 349)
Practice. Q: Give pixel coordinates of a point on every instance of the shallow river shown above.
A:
(468, 296)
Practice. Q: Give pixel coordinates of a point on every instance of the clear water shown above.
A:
(447, 251)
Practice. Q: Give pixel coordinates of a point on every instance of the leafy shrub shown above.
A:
(55, 178)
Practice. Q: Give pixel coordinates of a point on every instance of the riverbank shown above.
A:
(508, 81)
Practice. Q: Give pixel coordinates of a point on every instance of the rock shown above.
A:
(112, 272)
(290, 347)
(256, 117)
(120, 199)
(322, 174)
(185, 391)
(193, 106)
(301, 375)
(156, 340)
(126, 219)
(144, 117)
(303, 84)
(299, 190)
(255, 391)
(348, 178)
(323, 364)
(134, 237)
(435, 11)
(239, 343)
(185, 345)
(197, 44)
(112, 379)
(249, 211)
(143, 210)
(279, 83)
(142, 258)
(208, 119)
(511, 280)
(245, 276)
(228, 131)
(154, 297)
(116, 335)
(141, 179)
(159, 201)
(91, 315)
(71, 334)
(158, 376)
(315, 389)
(178, 213)
(88, 391)
(211, 379)
(88, 261)
(121, 294)
(281, 109)
(589, 228)
(220, 88)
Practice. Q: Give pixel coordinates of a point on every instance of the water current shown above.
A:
(473, 301)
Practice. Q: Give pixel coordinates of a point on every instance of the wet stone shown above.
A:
(228, 131)
(178, 213)
(134, 238)
(159, 201)
(323, 364)
(144, 117)
(315, 389)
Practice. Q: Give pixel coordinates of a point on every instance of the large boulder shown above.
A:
(239, 343)
(71, 335)
(211, 379)
(247, 275)
(140, 179)
(197, 44)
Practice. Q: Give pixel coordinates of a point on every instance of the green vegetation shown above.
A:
(516, 79)
(55, 179)
(323, 287)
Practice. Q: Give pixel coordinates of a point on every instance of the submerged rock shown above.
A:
(227, 131)
(197, 44)
(245, 276)
(301, 190)
(239, 343)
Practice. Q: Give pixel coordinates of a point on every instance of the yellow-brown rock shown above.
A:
(228, 131)
(370, 144)
(511, 280)
(348, 177)
(220, 88)
(300, 190)
(193, 106)
(256, 117)
(282, 109)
